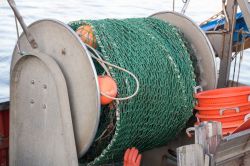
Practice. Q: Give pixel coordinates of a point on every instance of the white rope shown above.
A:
(103, 63)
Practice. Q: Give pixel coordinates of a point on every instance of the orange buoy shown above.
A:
(86, 34)
(108, 87)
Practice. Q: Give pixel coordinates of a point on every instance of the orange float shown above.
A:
(86, 34)
(107, 87)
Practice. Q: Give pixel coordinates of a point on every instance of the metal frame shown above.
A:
(41, 130)
(214, 150)
(222, 41)
(79, 72)
(29, 36)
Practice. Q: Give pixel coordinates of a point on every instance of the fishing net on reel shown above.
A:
(157, 53)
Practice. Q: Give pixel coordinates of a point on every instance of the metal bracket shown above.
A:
(246, 117)
(17, 14)
(198, 89)
(245, 8)
(230, 10)
(225, 109)
(190, 131)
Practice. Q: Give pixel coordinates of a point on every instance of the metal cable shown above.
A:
(184, 8)
(173, 5)
(235, 57)
(241, 58)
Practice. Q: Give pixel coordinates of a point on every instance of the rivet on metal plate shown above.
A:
(32, 82)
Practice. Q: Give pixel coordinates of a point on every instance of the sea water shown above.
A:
(69, 10)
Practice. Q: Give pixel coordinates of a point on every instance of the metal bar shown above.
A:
(184, 8)
(233, 147)
(190, 155)
(216, 32)
(227, 26)
(231, 9)
(209, 135)
(244, 6)
(29, 36)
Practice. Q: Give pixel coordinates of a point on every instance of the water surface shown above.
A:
(69, 10)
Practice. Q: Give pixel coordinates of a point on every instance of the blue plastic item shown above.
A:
(219, 23)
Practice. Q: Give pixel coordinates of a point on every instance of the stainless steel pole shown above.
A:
(29, 36)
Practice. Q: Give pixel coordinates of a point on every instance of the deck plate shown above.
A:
(60, 42)
(41, 130)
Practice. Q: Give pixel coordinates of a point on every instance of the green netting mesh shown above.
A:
(155, 52)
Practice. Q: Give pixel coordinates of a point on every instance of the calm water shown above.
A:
(68, 10)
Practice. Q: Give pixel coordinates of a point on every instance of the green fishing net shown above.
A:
(156, 53)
